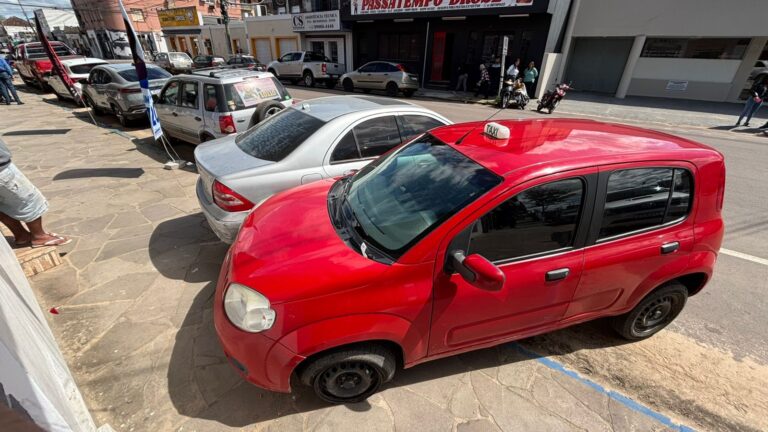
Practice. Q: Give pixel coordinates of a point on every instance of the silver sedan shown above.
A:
(317, 139)
(379, 75)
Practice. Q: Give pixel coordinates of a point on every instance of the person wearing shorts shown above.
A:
(22, 204)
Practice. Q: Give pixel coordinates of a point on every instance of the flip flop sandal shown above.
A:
(57, 241)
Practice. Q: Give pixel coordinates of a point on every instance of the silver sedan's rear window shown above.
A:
(277, 137)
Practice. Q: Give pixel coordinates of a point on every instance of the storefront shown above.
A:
(322, 32)
(182, 30)
(437, 38)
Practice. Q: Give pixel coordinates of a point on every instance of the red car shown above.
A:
(469, 236)
(33, 64)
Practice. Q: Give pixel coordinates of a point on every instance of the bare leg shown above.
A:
(20, 235)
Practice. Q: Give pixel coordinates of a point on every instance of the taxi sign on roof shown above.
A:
(496, 131)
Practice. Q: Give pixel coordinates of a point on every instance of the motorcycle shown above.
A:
(512, 96)
(551, 99)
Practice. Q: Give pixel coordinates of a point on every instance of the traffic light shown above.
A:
(224, 5)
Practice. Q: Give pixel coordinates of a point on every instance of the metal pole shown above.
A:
(424, 67)
(225, 15)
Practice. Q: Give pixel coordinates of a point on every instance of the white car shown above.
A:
(77, 69)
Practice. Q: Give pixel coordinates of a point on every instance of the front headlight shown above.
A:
(247, 309)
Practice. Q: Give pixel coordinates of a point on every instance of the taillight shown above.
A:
(227, 124)
(130, 90)
(401, 68)
(324, 67)
(228, 199)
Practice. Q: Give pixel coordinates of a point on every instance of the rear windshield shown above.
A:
(83, 68)
(152, 73)
(251, 92)
(35, 53)
(277, 137)
(179, 56)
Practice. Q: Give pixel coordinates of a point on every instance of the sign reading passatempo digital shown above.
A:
(369, 7)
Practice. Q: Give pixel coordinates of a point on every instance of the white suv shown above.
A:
(210, 104)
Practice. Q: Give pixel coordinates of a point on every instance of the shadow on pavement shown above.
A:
(203, 385)
(154, 150)
(724, 108)
(127, 173)
(38, 132)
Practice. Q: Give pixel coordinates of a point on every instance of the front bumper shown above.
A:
(224, 224)
(257, 358)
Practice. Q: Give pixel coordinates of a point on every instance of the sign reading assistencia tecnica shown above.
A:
(316, 21)
(366, 7)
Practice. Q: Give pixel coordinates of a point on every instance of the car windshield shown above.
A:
(277, 137)
(83, 68)
(179, 56)
(152, 74)
(402, 197)
(250, 92)
(38, 52)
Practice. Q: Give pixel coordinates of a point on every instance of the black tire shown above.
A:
(96, 110)
(408, 93)
(348, 85)
(504, 101)
(653, 313)
(120, 116)
(330, 84)
(392, 89)
(308, 79)
(351, 375)
(266, 110)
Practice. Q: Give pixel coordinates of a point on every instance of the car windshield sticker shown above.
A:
(254, 91)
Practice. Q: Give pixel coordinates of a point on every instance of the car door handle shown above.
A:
(174, 114)
(198, 118)
(668, 248)
(559, 274)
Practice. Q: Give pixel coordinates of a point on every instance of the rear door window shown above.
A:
(377, 136)
(189, 95)
(414, 125)
(643, 198)
(211, 99)
(278, 136)
(346, 149)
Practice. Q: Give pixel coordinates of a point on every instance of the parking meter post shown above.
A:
(225, 17)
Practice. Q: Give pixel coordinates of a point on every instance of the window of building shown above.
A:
(137, 15)
(400, 47)
(702, 48)
(644, 198)
(538, 220)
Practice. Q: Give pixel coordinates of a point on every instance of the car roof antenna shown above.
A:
(458, 141)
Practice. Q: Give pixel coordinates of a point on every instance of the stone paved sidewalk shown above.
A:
(135, 322)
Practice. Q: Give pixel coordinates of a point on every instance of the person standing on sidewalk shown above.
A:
(461, 83)
(513, 70)
(757, 93)
(6, 83)
(21, 201)
(530, 74)
(485, 81)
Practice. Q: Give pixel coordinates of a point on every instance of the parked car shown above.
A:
(33, 64)
(207, 105)
(174, 62)
(390, 77)
(207, 61)
(307, 66)
(470, 236)
(759, 71)
(115, 88)
(320, 138)
(76, 69)
(246, 61)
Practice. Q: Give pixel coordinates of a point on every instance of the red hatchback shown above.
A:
(469, 236)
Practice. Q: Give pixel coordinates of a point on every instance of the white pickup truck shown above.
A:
(307, 66)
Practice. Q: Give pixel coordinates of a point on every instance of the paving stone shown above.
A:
(624, 419)
(100, 272)
(81, 258)
(78, 326)
(127, 219)
(516, 370)
(464, 404)
(485, 360)
(157, 212)
(436, 381)
(122, 288)
(547, 393)
(116, 248)
(133, 231)
(55, 286)
(595, 401)
(89, 226)
(120, 341)
(479, 425)
(365, 416)
(411, 411)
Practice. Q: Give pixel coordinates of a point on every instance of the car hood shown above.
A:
(222, 157)
(288, 249)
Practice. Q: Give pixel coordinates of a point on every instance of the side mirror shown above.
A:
(478, 271)
(82, 81)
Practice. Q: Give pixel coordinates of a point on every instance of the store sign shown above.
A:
(370, 7)
(677, 85)
(316, 21)
(179, 17)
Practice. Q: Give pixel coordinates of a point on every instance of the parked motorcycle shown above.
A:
(551, 99)
(513, 94)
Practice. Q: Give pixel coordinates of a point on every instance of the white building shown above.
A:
(52, 20)
(687, 49)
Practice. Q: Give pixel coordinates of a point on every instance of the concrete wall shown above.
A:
(271, 28)
(34, 378)
(714, 18)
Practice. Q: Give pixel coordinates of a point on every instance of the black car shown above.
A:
(246, 61)
(206, 61)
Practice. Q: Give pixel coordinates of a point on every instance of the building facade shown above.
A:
(15, 30)
(688, 49)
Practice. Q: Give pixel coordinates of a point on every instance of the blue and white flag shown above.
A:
(141, 72)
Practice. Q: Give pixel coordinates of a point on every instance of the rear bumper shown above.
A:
(224, 224)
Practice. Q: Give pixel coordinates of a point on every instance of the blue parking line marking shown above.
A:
(618, 397)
